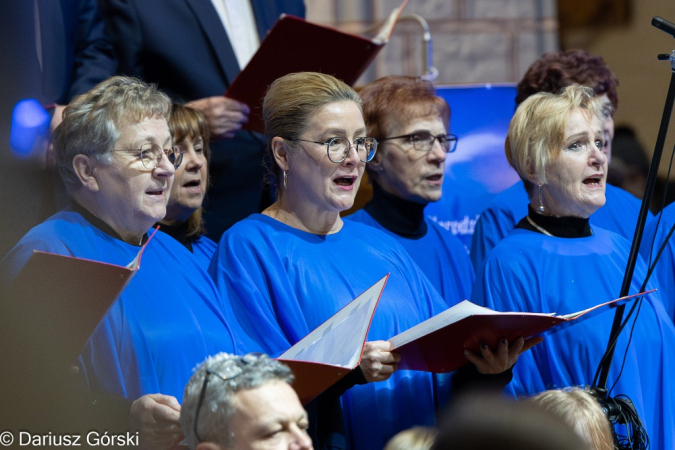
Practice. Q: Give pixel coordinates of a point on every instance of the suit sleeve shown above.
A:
(124, 30)
(94, 59)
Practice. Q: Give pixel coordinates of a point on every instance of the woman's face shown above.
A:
(408, 173)
(313, 179)
(189, 183)
(576, 178)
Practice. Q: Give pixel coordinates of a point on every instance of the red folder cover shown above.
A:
(437, 344)
(54, 304)
(295, 45)
(335, 347)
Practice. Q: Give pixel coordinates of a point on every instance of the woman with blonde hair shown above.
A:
(292, 267)
(579, 409)
(556, 260)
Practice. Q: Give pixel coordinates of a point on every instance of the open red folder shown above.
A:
(295, 45)
(437, 344)
(334, 348)
(55, 303)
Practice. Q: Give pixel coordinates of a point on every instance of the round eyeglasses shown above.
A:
(424, 141)
(338, 148)
(151, 154)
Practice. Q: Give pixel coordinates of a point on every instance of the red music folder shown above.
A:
(295, 45)
(56, 302)
(335, 347)
(437, 344)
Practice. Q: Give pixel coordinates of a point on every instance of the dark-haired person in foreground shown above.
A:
(243, 403)
(551, 73)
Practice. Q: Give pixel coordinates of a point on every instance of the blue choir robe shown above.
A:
(664, 271)
(619, 214)
(531, 272)
(439, 254)
(283, 283)
(167, 320)
(203, 249)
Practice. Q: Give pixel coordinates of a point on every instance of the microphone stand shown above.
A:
(601, 390)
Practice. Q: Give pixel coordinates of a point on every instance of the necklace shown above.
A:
(537, 226)
(542, 230)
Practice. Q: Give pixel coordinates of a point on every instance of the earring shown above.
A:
(541, 201)
(285, 180)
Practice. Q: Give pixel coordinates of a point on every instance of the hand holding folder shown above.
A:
(437, 344)
(334, 348)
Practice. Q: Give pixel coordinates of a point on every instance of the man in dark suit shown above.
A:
(52, 50)
(183, 47)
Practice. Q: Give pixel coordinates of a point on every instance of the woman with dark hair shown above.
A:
(183, 220)
(556, 260)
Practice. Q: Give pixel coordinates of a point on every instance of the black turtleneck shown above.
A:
(397, 215)
(564, 227)
(178, 232)
(101, 225)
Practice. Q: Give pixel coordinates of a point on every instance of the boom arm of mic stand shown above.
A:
(642, 219)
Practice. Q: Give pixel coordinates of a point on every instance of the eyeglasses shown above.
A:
(424, 142)
(338, 148)
(232, 372)
(151, 155)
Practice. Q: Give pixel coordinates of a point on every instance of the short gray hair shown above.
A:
(91, 121)
(228, 374)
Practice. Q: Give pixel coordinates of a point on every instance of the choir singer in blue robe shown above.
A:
(184, 213)
(664, 271)
(292, 267)
(411, 123)
(115, 155)
(551, 73)
(554, 261)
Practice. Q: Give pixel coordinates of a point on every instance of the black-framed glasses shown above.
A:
(424, 142)
(338, 148)
(151, 155)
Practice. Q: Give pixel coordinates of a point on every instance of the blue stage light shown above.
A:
(30, 125)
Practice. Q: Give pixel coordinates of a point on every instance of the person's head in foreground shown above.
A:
(243, 403)
(114, 154)
(318, 148)
(415, 438)
(554, 71)
(190, 133)
(555, 144)
(411, 124)
(582, 412)
(495, 423)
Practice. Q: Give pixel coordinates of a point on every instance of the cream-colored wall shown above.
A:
(630, 52)
(474, 41)
(490, 41)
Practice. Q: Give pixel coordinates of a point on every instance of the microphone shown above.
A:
(664, 25)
